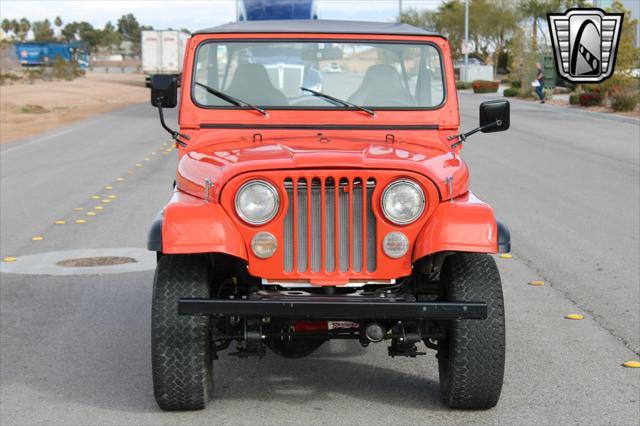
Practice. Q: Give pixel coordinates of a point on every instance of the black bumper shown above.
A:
(333, 308)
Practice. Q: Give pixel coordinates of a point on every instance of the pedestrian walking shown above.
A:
(538, 83)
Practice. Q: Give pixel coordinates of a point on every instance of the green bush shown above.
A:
(624, 99)
(485, 86)
(463, 85)
(590, 99)
(574, 99)
(8, 77)
(548, 94)
(516, 84)
(511, 92)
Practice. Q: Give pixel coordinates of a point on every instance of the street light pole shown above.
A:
(399, 8)
(466, 39)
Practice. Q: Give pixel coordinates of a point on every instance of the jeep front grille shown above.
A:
(329, 226)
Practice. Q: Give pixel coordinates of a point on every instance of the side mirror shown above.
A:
(164, 91)
(494, 116)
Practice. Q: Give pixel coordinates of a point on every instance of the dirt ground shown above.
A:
(28, 109)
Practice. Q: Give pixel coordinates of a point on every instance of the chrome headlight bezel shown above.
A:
(265, 219)
(421, 206)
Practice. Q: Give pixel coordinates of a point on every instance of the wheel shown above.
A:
(180, 345)
(471, 358)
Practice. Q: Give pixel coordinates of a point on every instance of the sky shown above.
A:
(191, 14)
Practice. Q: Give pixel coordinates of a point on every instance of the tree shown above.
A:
(69, 32)
(109, 35)
(21, 28)
(42, 31)
(57, 22)
(129, 28)
(6, 27)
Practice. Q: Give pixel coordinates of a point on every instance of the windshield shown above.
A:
(272, 73)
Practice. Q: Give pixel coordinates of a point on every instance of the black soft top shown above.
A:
(319, 26)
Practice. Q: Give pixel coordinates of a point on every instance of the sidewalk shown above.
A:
(556, 108)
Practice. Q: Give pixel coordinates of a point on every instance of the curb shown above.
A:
(563, 110)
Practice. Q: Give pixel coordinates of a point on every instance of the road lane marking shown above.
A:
(138, 164)
(120, 179)
(95, 197)
(574, 316)
(108, 187)
(106, 201)
(80, 221)
(9, 259)
(112, 196)
(59, 222)
(37, 238)
(91, 213)
(79, 209)
(505, 256)
(631, 364)
(536, 283)
(98, 208)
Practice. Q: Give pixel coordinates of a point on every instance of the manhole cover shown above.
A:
(95, 261)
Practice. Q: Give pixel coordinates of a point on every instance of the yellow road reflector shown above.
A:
(79, 209)
(106, 200)
(574, 316)
(536, 283)
(98, 208)
(631, 364)
(38, 238)
(112, 196)
(147, 159)
(109, 187)
(95, 197)
(81, 221)
(120, 179)
(59, 222)
(9, 259)
(505, 256)
(138, 164)
(91, 213)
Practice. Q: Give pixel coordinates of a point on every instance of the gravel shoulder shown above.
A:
(29, 109)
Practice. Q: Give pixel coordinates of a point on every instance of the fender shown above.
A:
(191, 225)
(463, 224)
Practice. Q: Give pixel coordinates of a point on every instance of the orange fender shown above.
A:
(464, 224)
(191, 225)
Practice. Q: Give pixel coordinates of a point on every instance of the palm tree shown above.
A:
(536, 10)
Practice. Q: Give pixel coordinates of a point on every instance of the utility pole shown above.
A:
(466, 39)
(399, 9)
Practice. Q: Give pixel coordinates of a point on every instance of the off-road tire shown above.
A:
(471, 359)
(180, 344)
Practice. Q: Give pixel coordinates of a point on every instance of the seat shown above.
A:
(251, 84)
(382, 86)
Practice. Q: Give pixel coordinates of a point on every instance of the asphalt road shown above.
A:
(75, 349)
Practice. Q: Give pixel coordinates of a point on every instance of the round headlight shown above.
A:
(395, 244)
(264, 244)
(403, 202)
(257, 202)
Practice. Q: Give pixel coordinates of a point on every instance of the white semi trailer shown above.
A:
(162, 52)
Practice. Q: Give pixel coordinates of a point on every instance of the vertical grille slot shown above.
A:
(303, 232)
(329, 225)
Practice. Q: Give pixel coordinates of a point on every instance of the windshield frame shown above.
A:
(318, 40)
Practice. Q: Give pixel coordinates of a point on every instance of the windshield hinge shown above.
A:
(257, 138)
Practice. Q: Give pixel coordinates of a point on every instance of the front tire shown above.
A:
(180, 345)
(471, 358)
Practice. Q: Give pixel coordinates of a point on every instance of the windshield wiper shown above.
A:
(231, 99)
(339, 101)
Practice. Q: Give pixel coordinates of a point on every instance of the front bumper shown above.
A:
(332, 307)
